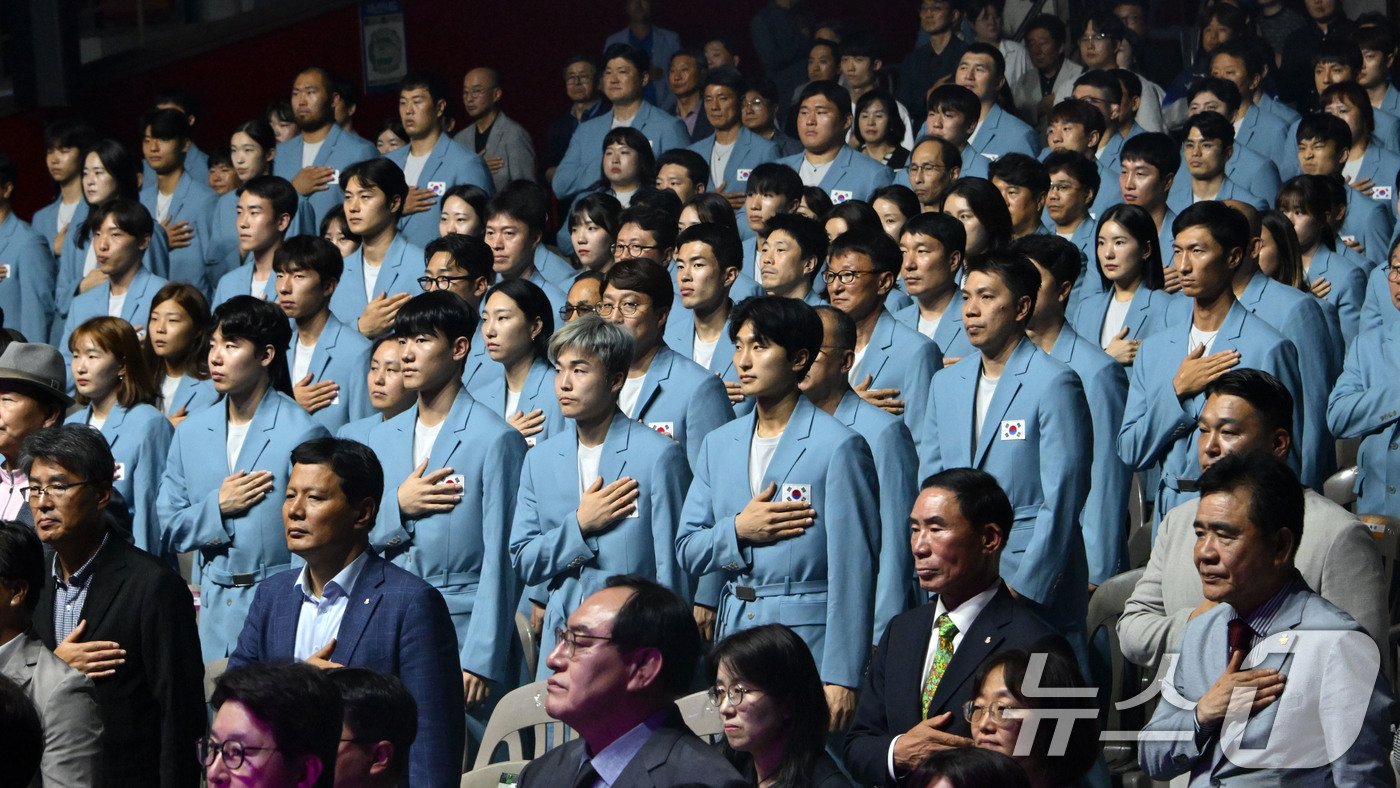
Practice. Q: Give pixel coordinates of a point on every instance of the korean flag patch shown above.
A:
(335, 176)
(742, 176)
(119, 472)
(1013, 430)
(839, 196)
(797, 493)
(437, 187)
(667, 428)
(1381, 193)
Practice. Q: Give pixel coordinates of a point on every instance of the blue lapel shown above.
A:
(880, 340)
(112, 429)
(453, 428)
(614, 459)
(839, 167)
(1007, 389)
(362, 602)
(260, 431)
(325, 344)
(659, 371)
(327, 146)
(535, 387)
(792, 445)
(848, 408)
(1138, 312)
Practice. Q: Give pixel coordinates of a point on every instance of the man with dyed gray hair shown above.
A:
(601, 499)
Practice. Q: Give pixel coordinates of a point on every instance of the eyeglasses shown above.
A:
(569, 311)
(627, 308)
(234, 752)
(735, 695)
(1392, 273)
(440, 282)
(918, 169)
(1000, 712)
(633, 248)
(846, 277)
(1092, 38)
(57, 491)
(571, 638)
(577, 79)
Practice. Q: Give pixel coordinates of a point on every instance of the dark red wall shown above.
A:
(526, 40)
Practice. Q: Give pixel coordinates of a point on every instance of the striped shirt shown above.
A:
(1261, 620)
(69, 597)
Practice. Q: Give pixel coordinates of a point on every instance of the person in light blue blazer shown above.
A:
(382, 274)
(1324, 143)
(791, 250)
(625, 75)
(327, 358)
(827, 161)
(603, 497)
(181, 205)
(785, 504)
(1365, 404)
(982, 69)
(384, 385)
(515, 224)
(708, 256)
(517, 321)
(1105, 516)
(265, 210)
(432, 162)
(112, 171)
(771, 190)
(1236, 71)
(231, 511)
(315, 159)
(66, 141)
(28, 266)
(252, 147)
(177, 338)
(896, 460)
(1376, 311)
(1018, 414)
(932, 245)
(664, 390)
(1220, 334)
(452, 469)
(1210, 141)
(117, 390)
(894, 363)
(1129, 263)
(1308, 200)
(732, 145)
(189, 107)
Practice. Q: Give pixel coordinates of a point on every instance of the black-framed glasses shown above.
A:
(735, 695)
(1392, 272)
(571, 640)
(845, 277)
(627, 308)
(1000, 712)
(234, 753)
(568, 311)
(57, 491)
(440, 282)
(633, 248)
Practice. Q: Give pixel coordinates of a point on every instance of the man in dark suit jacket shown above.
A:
(115, 613)
(348, 606)
(911, 700)
(627, 652)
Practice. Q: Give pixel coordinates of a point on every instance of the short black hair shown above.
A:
(816, 200)
(1051, 24)
(221, 156)
(789, 323)
(1018, 169)
(436, 312)
(726, 77)
(1212, 126)
(299, 703)
(639, 58)
(903, 198)
(523, 202)
(336, 215)
(378, 707)
(77, 448)
(22, 559)
(1081, 112)
(1154, 148)
(471, 254)
(23, 749)
(873, 242)
(955, 97)
(1105, 22)
(131, 216)
(980, 497)
(602, 209)
(1264, 392)
(472, 195)
(1132, 83)
(1226, 225)
(275, 190)
(1247, 52)
(1098, 79)
(777, 179)
(988, 50)
(806, 232)
(710, 207)
(968, 766)
(723, 242)
(69, 133)
(831, 91)
(1340, 50)
(382, 174)
(1078, 168)
(1223, 89)
(845, 326)
(262, 323)
(894, 124)
(166, 124)
(1375, 38)
(941, 227)
(644, 276)
(987, 204)
(1275, 494)
(948, 153)
(660, 223)
(860, 42)
(353, 463)
(427, 80)
(309, 253)
(1013, 269)
(695, 166)
(1326, 128)
(184, 99)
(1053, 253)
(655, 617)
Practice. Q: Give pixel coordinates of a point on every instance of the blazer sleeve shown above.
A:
(36, 270)
(929, 446)
(540, 550)
(486, 646)
(518, 151)
(572, 175)
(1106, 508)
(669, 479)
(190, 519)
(1350, 287)
(867, 743)
(252, 639)
(1366, 752)
(1152, 414)
(1146, 630)
(707, 409)
(1363, 404)
(1164, 756)
(1353, 579)
(428, 667)
(851, 521)
(918, 383)
(896, 463)
(706, 542)
(175, 673)
(72, 734)
(146, 476)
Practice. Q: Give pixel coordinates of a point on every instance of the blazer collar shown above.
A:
(848, 408)
(1007, 388)
(979, 642)
(659, 371)
(361, 604)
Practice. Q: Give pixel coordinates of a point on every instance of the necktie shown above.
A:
(1239, 636)
(941, 656)
(587, 776)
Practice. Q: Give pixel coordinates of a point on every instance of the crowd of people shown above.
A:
(828, 392)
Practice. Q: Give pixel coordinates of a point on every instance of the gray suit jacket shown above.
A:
(64, 698)
(1337, 558)
(510, 142)
(672, 758)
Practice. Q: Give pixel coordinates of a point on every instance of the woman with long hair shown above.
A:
(1130, 303)
(980, 207)
(516, 324)
(463, 211)
(1308, 202)
(177, 350)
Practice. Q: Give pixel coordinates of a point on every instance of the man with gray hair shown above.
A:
(503, 143)
(602, 499)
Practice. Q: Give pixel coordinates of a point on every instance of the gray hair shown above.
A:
(594, 336)
(78, 448)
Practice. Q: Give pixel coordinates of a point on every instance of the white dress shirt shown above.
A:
(318, 622)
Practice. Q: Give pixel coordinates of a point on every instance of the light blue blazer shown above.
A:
(1147, 314)
(339, 150)
(680, 336)
(1300, 318)
(463, 553)
(341, 355)
(192, 202)
(583, 161)
(140, 440)
(1085, 239)
(750, 150)
(1263, 132)
(239, 282)
(1159, 430)
(896, 471)
(1253, 171)
(45, 221)
(192, 394)
(196, 164)
(1371, 222)
(852, 176)
(1001, 133)
(898, 357)
(949, 337)
(26, 293)
(1272, 105)
(1348, 287)
(136, 309)
(554, 268)
(235, 551)
(70, 267)
(1366, 404)
(1378, 309)
(1045, 472)
(448, 165)
(222, 251)
(489, 389)
(398, 273)
(360, 429)
(683, 399)
(820, 583)
(548, 549)
(1105, 516)
(1180, 197)
(1110, 193)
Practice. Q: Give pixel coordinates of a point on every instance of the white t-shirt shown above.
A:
(631, 391)
(986, 389)
(309, 151)
(761, 452)
(163, 205)
(423, 439)
(618, 122)
(702, 352)
(90, 261)
(115, 304)
(301, 360)
(65, 214)
(719, 162)
(413, 168)
(237, 433)
(1199, 338)
(1351, 169)
(371, 278)
(930, 327)
(588, 459)
(854, 376)
(168, 386)
(95, 421)
(812, 174)
(1113, 320)
(625, 198)
(258, 287)
(512, 402)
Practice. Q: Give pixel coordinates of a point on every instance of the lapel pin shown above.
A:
(988, 640)
(366, 600)
(1283, 640)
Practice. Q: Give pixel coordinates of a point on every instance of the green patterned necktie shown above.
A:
(941, 656)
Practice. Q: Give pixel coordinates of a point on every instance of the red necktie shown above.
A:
(1240, 637)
